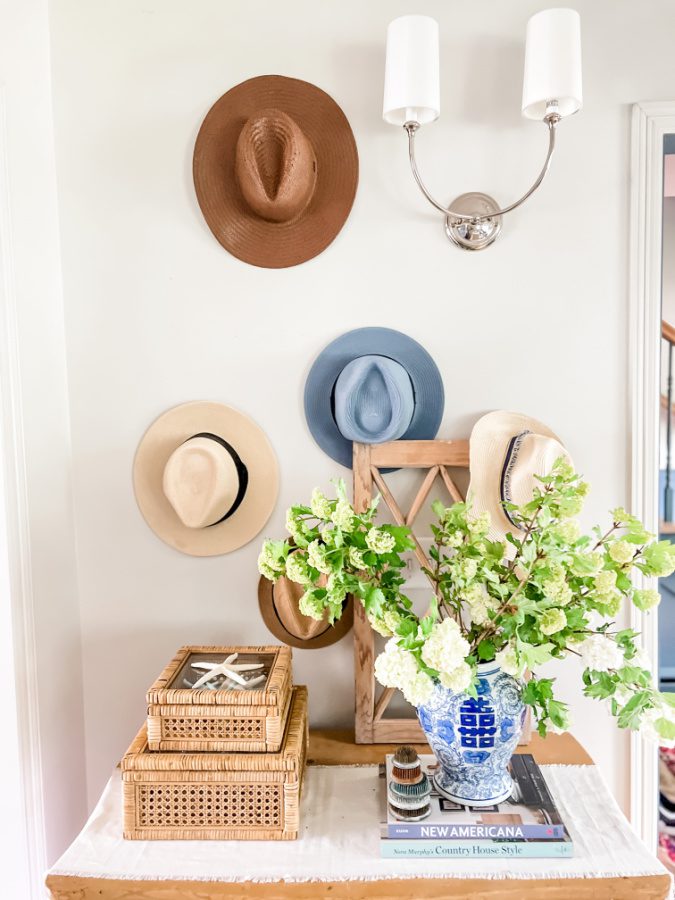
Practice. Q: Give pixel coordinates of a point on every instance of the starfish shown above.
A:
(228, 669)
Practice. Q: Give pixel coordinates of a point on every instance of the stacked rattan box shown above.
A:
(218, 764)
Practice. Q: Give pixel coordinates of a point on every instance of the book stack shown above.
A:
(526, 825)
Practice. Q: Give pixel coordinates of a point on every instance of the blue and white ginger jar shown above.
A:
(474, 739)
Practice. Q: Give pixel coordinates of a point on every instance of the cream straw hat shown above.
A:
(506, 451)
(205, 478)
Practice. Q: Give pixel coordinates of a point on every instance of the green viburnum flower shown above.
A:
(558, 591)
(479, 524)
(265, 570)
(320, 505)
(296, 569)
(316, 556)
(621, 552)
(310, 605)
(356, 558)
(343, 515)
(380, 541)
(610, 603)
(455, 539)
(658, 559)
(552, 621)
(392, 620)
(567, 530)
(379, 625)
(646, 599)
(468, 568)
(605, 582)
(271, 561)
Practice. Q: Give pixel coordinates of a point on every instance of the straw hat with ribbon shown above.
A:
(507, 450)
(205, 478)
(275, 170)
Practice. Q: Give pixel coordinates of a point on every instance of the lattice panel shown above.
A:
(437, 458)
(255, 805)
(213, 728)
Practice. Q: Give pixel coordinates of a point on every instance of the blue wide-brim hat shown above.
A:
(423, 420)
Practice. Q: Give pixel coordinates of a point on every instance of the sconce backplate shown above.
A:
(474, 234)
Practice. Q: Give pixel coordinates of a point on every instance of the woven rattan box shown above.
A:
(223, 720)
(217, 796)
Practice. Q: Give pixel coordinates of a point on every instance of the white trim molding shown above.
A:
(651, 122)
(15, 549)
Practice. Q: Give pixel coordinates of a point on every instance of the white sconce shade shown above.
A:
(411, 74)
(552, 63)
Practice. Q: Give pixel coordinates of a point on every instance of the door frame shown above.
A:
(651, 122)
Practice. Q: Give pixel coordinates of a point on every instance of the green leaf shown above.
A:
(534, 656)
(557, 713)
(373, 600)
(665, 728)
(486, 650)
(629, 717)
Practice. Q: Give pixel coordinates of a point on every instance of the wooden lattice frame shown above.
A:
(371, 726)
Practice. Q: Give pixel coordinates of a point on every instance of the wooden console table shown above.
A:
(330, 748)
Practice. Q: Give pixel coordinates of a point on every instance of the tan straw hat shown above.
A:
(506, 451)
(279, 607)
(275, 170)
(205, 478)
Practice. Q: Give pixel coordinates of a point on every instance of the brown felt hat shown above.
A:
(206, 478)
(278, 604)
(275, 170)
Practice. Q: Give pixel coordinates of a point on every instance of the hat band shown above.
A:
(242, 473)
(510, 460)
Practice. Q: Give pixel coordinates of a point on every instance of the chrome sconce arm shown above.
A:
(474, 220)
(412, 98)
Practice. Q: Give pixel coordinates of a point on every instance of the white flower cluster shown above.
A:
(380, 541)
(459, 679)
(600, 653)
(445, 650)
(508, 661)
(652, 718)
(397, 668)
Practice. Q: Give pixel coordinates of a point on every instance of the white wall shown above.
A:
(35, 438)
(158, 313)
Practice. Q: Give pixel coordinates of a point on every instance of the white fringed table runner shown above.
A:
(339, 840)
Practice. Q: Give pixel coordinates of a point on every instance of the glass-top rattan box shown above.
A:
(221, 699)
(217, 796)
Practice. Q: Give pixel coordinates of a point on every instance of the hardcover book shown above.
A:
(528, 824)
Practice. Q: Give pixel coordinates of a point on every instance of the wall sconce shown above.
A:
(551, 91)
